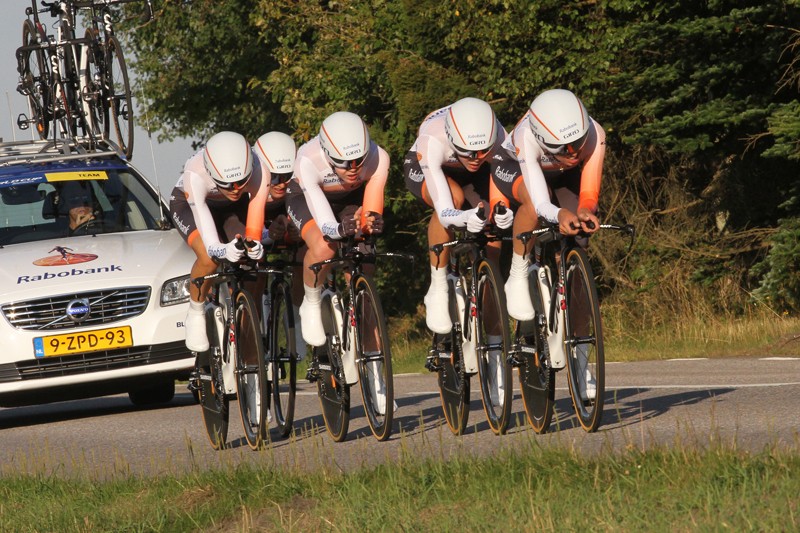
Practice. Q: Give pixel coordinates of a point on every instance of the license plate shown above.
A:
(85, 341)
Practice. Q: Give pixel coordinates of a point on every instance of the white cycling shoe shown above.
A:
(196, 336)
(518, 298)
(437, 310)
(311, 317)
(378, 391)
(496, 389)
(586, 386)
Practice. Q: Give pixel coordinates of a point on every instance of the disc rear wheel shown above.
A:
(332, 388)
(251, 371)
(453, 378)
(213, 402)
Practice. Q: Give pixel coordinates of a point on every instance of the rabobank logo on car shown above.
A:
(71, 273)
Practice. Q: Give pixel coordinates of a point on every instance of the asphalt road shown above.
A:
(748, 402)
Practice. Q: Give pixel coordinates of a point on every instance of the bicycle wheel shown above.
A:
(453, 378)
(213, 402)
(373, 358)
(584, 340)
(34, 81)
(332, 388)
(95, 102)
(251, 370)
(537, 379)
(493, 340)
(119, 98)
(282, 357)
(70, 88)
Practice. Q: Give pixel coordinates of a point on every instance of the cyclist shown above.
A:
(561, 151)
(337, 190)
(277, 152)
(448, 168)
(220, 195)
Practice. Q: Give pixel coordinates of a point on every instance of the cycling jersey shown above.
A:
(320, 183)
(196, 188)
(538, 165)
(437, 161)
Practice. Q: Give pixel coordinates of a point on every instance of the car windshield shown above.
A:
(46, 201)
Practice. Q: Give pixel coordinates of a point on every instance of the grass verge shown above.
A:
(528, 489)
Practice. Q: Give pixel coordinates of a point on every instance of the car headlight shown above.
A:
(175, 291)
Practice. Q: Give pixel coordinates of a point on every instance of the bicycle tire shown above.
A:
(93, 94)
(70, 86)
(120, 105)
(583, 331)
(251, 370)
(332, 387)
(373, 358)
(213, 401)
(453, 378)
(537, 378)
(282, 357)
(34, 80)
(491, 319)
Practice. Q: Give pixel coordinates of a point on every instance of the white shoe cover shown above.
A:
(311, 317)
(437, 311)
(196, 336)
(518, 298)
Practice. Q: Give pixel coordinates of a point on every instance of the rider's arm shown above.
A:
(529, 153)
(374, 189)
(432, 154)
(258, 188)
(310, 179)
(592, 173)
(196, 188)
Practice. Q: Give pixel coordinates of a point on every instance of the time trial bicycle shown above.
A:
(357, 342)
(479, 340)
(234, 366)
(566, 330)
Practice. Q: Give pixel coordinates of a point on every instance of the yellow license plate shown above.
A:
(85, 341)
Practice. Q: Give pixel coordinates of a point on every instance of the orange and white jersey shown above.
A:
(436, 156)
(201, 191)
(319, 182)
(537, 164)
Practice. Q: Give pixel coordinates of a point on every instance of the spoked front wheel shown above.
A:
(584, 340)
(213, 402)
(34, 76)
(332, 387)
(282, 358)
(493, 343)
(373, 359)
(251, 371)
(537, 379)
(120, 105)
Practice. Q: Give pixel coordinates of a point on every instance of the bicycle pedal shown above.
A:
(312, 375)
(432, 363)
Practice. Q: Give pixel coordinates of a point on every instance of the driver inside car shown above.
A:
(76, 198)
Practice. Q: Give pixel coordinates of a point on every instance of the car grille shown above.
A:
(107, 306)
(70, 365)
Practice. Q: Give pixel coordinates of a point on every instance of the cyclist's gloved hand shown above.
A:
(474, 221)
(504, 220)
(348, 227)
(377, 223)
(232, 251)
(255, 250)
(278, 228)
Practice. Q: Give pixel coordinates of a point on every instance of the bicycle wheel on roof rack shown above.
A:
(34, 81)
(120, 104)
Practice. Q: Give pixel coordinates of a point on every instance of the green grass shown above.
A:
(530, 489)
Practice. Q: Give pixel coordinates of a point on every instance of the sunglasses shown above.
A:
(471, 154)
(233, 185)
(570, 149)
(354, 164)
(279, 178)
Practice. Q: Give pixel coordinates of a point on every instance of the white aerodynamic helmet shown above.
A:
(471, 127)
(277, 150)
(559, 122)
(345, 139)
(228, 160)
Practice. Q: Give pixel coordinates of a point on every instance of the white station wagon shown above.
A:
(94, 279)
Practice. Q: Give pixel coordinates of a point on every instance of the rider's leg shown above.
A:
(311, 308)
(196, 336)
(437, 310)
(517, 291)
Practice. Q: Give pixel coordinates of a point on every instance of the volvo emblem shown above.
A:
(78, 310)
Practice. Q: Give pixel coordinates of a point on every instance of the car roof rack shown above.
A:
(43, 151)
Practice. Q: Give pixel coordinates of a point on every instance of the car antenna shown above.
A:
(152, 155)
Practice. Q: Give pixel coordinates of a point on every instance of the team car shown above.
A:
(94, 278)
